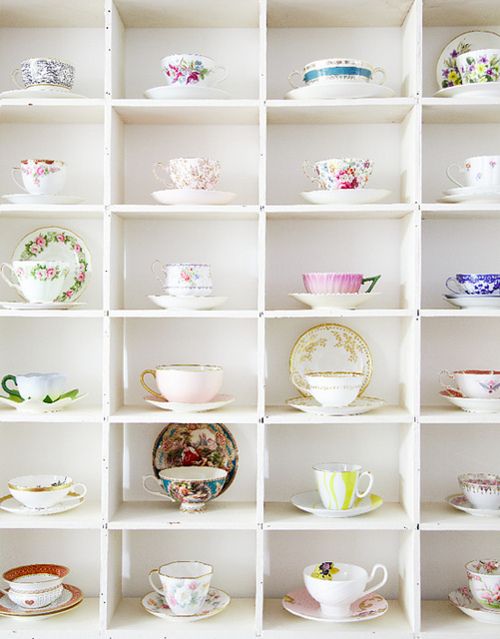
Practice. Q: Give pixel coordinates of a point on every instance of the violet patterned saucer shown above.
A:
(460, 502)
(462, 599)
(300, 603)
(215, 602)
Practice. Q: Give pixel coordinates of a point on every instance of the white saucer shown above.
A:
(471, 194)
(471, 405)
(300, 603)
(215, 602)
(471, 91)
(346, 196)
(340, 90)
(310, 502)
(181, 407)
(331, 301)
(460, 502)
(186, 93)
(473, 301)
(188, 303)
(11, 505)
(40, 306)
(41, 92)
(358, 406)
(38, 407)
(193, 196)
(466, 190)
(28, 198)
(462, 599)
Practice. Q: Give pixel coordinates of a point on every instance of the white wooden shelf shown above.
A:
(386, 414)
(459, 312)
(438, 211)
(47, 111)
(59, 314)
(79, 13)
(78, 414)
(60, 211)
(359, 312)
(159, 313)
(326, 212)
(441, 620)
(85, 517)
(447, 414)
(187, 111)
(460, 111)
(368, 111)
(441, 516)
(164, 212)
(232, 414)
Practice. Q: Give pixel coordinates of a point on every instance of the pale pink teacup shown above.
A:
(337, 283)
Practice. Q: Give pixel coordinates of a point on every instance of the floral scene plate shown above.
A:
(300, 603)
(329, 347)
(70, 597)
(357, 407)
(471, 405)
(460, 502)
(193, 196)
(187, 303)
(310, 502)
(332, 301)
(217, 402)
(215, 602)
(55, 243)
(11, 505)
(462, 599)
(345, 196)
(196, 445)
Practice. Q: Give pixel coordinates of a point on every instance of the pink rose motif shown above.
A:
(34, 249)
(50, 273)
(61, 238)
(81, 277)
(193, 585)
(172, 601)
(69, 293)
(39, 275)
(77, 248)
(40, 240)
(39, 170)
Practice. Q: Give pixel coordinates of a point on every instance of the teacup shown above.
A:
(484, 582)
(184, 279)
(36, 280)
(481, 489)
(187, 383)
(36, 386)
(188, 173)
(184, 585)
(40, 177)
(44, 491)
(474, 284)
(35, 585)
(482, 65)
(191, 69)
(476, 384)
(192, 486)
(339, 173)
(481, 170)
(335, 595)
(337, 283)
(35, 72)
(337, 70)
(334, 388)
(338, 484)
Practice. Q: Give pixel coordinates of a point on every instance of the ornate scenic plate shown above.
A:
(215, 602)
(11, 505)
(310, 502)
(471, 405)
(55, 243)
(196, 445)
(345, 196)
(460, 502)
(329, 347)
(462, 599)
(70, 597)
(187, 303)
(217, 402)
(332, 301)
(357, 407)
(300, 603)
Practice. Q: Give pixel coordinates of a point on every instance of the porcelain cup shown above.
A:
(36, 585)
(36, 280)
(335, 596)
(338, 484)
(481, 489)
(40, 177)
(187, 383)
(476, 384)
(44, 491)
(184, 585)
(339, 173)
(336, 70)
(35, 72)
(184, 279)
(474, 284)
(188, 173)
(337, 283)
(36, 386)
(478, 171)
(482, 65)
(484, 582)
(191, 69)
(335, 389)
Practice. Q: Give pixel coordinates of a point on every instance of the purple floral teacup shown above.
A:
(191, 69)
(482, 65)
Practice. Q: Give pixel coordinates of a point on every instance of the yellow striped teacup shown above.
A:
(338, 484)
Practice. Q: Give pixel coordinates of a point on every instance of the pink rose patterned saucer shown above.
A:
(300, 603)
(215, 602)
(462, 599)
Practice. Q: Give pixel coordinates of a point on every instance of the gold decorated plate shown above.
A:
(329, 347)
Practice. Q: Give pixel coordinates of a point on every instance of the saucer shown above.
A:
(460, 502)
(472, 405)
(182, 407)
(472, 194)
(187, 303)
(473, 301)
(345, 196)
(28, 198)
(70, 598)
(471, 91)
(193, 196)
(36, 406)
(41, 92)
(215, 602)
(41, 306)
(310, 502)
(11, 505)
(462, 599)
(340, 90)
(331, 301)
(300, 603)
(464, 190)
(186, 93)
(359, 406)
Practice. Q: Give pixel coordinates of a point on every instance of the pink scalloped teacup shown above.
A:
(337, 283)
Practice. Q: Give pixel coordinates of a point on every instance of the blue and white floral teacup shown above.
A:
(335, 70)
(474, 284)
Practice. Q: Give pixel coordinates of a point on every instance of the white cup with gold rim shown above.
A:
(44, 491)
(334, 388)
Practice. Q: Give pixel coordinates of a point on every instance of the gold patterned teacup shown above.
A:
(44, 491)
(334, 388)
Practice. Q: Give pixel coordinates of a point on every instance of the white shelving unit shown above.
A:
(258, 247)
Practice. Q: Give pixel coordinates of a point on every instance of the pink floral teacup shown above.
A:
(482, 171)
(188, 173)
(184, 585)
(36, 280)
(188, 69)
(41, 177)
(484, 582)
(339, 173)
(184, 279)
(337, 283)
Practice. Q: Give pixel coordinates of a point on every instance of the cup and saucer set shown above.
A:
(39, 495)
(473, 290)
(327, 291)
(480, 599)
(474, 391)
(38, 393)
(481, 177)
(480, 494)
(43, 78)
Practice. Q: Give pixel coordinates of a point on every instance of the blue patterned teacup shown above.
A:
(474, 284)
(335, 70)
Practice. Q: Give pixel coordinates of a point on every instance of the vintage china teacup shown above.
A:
(334, 388)
(484, 582)
(184, 585)
(476, 384)
(36, 280)
(187, 383)
(328, 283)
(35, 386)
(474, 284)
(336, 593)
(338, 484)
(35, 585)
(44, 491)
(188, 173)
(335, 70)
(482, 65)
(35, 72)
(40, 177)
(481, 170)
(481, 489)
(339, 173)
(192, 486)
(184, 279)
(191, 69)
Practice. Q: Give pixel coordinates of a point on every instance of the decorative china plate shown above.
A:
(11, 505)
(188, 302)
(460, 502)
(35, 93)
(329, 347)
(473, 301)
(215, 602)
(41, 306)
(310, 502)
(300, 603)
(36, 406)
(331, 301)
(193, 196)
(472, 405)
(340, 90)
(28, 198)
(345, 196)
(196, 445)
(217, 402)
(55, 243)
(471, 91)
(186, 93)
(357, 407)
(462, 599)
(70, 597)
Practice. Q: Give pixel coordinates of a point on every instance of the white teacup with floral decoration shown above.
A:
(36, 280)
(481, 170)
(41, 177)
(184, 278)
(184, 585)
(484, 582)
(473, 383)
(191, 69)
(188, 173)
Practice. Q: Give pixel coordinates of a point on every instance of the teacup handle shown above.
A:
(374, 279)
(453, 280)
(359, 494)
(156, 267)
(381, 71)
(159, 166)
(372, 575)
(8, 280)
(155, 571)
(10, 391)
(450, 376)
(76, 494)
(152, 372)
(156, 493)
(291, 77)
(224, 74)
(308, 168)
(14, 75)
(450, 177)
(14, 177)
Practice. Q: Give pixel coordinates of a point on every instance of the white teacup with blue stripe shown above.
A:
(335, 70)
(338, 484)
